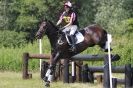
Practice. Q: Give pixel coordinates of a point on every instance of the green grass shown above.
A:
(14, 80)
(11, 58)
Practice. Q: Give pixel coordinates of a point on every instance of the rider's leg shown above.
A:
(72, 32)
(73, 29)
(72, 42)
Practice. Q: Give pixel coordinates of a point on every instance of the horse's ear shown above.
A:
(45, 19)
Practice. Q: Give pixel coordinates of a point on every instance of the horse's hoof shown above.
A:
(106, 50)
(45, 79)
(47, 84)
(111, 49)
(115, 57)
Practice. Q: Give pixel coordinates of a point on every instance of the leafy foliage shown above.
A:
(19, 21)
(129, 25)
(110, 14)
(12, 39)
(128, 6)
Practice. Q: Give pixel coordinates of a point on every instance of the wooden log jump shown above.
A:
(79, 57)
(25, 66)
(102, 57)
(27, 56)
(127, 70)
(118, 69)
(84, 57)
(39, 56)
(25, 60)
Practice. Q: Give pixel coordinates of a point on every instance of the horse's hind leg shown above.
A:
(104, 44)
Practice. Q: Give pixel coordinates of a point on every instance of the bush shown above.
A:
(122, 42)
(129, 27)
(11, 58)
(12, 39)
(125, 27)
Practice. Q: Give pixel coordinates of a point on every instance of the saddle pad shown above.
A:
(80, 37)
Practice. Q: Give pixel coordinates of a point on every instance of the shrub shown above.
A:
(12, 39)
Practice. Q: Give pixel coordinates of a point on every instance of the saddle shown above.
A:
(77, 36)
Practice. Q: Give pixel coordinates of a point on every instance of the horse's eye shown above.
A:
(44, 23)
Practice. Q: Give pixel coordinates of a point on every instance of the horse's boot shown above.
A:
(47, 84)
(73, 48)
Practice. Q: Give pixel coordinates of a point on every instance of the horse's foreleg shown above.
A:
(49, 76)
(51, 70)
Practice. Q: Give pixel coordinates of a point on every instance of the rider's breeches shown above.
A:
(71, 28)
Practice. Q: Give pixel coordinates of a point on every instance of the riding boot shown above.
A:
(73, 48)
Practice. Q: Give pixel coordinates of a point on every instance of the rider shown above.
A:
(69, 17)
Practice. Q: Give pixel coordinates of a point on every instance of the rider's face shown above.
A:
(66, 8)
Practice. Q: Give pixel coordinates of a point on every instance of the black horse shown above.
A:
(60, 48)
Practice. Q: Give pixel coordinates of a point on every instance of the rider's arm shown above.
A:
(59, 22)
(60, 19)
(71, 20)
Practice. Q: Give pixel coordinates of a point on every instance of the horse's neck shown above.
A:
(52, 36)
(53, 40)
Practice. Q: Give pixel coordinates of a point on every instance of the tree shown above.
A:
(128, 6)
(26, 14)
(86, 11)
(4, 21)
(110, 14)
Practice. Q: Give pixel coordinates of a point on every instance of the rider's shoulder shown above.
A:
(63, 13)
(73, 12)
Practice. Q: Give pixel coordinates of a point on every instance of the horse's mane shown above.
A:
(53, 24)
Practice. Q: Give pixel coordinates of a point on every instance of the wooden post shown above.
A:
(79, 77)
(85, 73)
(44, 67)
(128, 76)
(59, 71)
(114, 82)
(106, 81)
(120, 81)
(66, 71)
(90, 76)
(25, 66)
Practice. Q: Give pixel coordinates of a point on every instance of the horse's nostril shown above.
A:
(38, 36)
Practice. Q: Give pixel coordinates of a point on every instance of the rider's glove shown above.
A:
(62, 28)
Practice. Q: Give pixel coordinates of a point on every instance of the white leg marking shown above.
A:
(50, 77)
(48, 73)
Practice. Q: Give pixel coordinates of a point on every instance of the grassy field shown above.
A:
(14, 80)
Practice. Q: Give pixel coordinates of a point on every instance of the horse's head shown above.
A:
(42, 29)
(46, 27)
